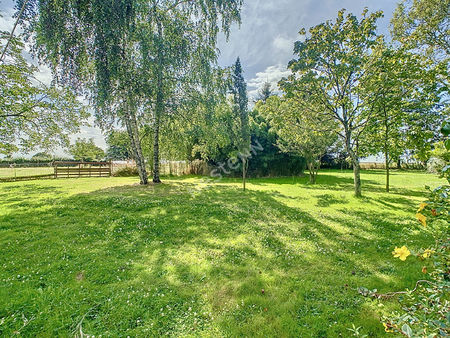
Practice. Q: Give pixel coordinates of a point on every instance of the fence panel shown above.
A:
(82, 169)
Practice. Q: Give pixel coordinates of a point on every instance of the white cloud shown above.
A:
(272, 74)
(286, 45)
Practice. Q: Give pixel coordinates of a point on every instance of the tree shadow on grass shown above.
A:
(326, 200)
(175, 259)
(11, 192)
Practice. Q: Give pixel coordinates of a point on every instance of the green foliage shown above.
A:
(423, 25)
(126, 172)
(33, 115)
(425, 309)
(42, 157)
(298, 133)
(86, 150)
(405, 111)
(327, 74)
(119, 147)
(270, 161)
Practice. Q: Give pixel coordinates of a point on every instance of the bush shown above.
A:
(198, 167)
(435, 165)
(126, 172)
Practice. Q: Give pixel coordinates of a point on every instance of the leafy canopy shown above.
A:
(32, 114)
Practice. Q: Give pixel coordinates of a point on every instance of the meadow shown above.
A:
(105, 256)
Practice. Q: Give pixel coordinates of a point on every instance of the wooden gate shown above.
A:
(81, 169)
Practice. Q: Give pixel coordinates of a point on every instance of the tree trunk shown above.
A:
(133, 134)
(317, 172)
(156, 178)
(386, 146)
(355, 162)
(159, 109)
(313, 171)
(244, 171)
(357, 175)
(386, 155)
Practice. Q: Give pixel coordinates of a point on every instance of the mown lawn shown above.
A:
(105, 256)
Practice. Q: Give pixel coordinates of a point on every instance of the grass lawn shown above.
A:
(11, 172)
(108, 257)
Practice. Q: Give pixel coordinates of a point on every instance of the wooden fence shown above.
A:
(82, 169)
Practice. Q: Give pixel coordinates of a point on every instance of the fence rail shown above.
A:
(56, 169)
(82, 169)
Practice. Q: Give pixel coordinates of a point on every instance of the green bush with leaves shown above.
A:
(126, 172)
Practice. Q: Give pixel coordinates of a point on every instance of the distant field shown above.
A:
(11, 172)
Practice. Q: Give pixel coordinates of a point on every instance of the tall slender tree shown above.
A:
(178, 42)
(240, 107)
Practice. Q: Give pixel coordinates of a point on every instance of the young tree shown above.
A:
(327, 73)
(407, 97)
(33, 115)
(240, 107)
(86, 150)
(298, 133)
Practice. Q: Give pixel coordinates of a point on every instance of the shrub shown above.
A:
(435, 165)
(127, 171)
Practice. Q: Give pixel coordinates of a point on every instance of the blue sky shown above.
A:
(265, 39)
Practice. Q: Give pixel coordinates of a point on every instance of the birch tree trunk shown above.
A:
(159, 109)
(133, 134)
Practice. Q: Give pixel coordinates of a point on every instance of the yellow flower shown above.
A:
(422, 219)
(422, 206)
(387, 327)
(427, 253)
(401, 253)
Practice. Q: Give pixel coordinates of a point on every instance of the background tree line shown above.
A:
(150, 70)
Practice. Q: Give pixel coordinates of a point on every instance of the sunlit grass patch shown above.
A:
(282, 259)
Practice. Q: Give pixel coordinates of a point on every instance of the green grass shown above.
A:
(12, 172)
(112, 258)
